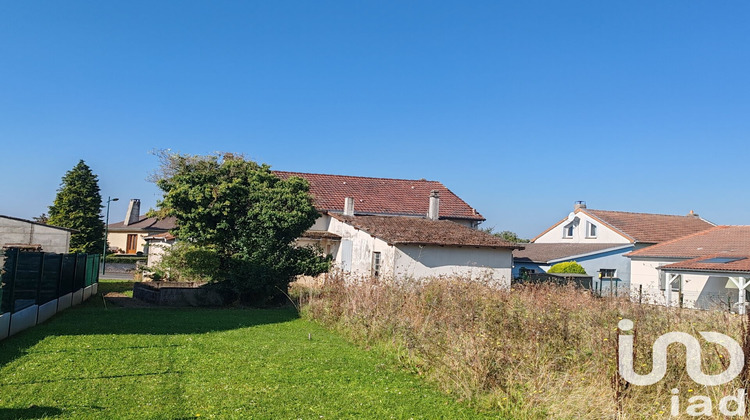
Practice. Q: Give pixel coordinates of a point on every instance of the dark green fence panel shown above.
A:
(7, 280)
(35, 278)
(90, 271)
(50, 278)
(67, 274)
(27, 279)
(79, 282)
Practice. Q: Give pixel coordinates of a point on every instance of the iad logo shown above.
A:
(693, 361)
(701, 405)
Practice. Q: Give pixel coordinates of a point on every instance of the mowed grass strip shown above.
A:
(92, 362)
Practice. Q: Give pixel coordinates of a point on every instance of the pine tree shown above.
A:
(78, 206)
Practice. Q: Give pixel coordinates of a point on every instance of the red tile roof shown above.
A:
(542, 253)
(740, 263)
(419, 231)
(644, 227)
(720, 239)
(147, 224)
(386, 196)
(650, 228)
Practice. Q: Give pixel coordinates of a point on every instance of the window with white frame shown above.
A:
(590, 230)
(376, 264)
(568, 230)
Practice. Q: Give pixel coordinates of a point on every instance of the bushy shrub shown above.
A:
(239, 222)
(567, 267)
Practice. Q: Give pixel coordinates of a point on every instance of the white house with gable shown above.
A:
(600, 239)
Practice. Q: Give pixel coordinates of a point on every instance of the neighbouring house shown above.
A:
(619, 233)
(34, 236)
(537, 258)
(705, 270)
(401, 228)
(395, 227)
(395, 247)
(129, 236)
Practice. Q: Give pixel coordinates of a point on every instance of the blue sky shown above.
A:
(519, 107)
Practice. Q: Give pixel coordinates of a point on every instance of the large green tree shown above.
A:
(78, 206)
(238, 222)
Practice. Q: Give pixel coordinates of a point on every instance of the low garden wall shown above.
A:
(168, 293)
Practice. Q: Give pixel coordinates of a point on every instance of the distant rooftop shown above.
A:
(729, 240)
(645, 227)
(545, 252)
(419, 231)
(383, 196)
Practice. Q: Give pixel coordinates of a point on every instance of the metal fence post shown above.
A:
(13, 280)
(39, 279)
(640, 294)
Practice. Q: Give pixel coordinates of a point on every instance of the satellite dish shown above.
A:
(571, 216)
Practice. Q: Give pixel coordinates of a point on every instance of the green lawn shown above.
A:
(92, 362)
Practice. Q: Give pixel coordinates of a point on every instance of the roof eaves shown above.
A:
(588, 254)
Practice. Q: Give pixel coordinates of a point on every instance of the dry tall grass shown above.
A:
(530, 352)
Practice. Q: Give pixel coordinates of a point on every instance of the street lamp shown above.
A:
(106, 232)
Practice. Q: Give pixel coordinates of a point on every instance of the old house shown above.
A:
(385, 227)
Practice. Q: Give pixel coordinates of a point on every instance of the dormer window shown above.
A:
(591, 230)
(568, 231)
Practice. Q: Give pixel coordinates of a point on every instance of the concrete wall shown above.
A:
(476, 263)
(22, 232)
(604, 235)
(13, 323)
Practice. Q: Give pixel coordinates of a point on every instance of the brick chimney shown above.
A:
(692, 213)
(433, 213)
(349, 206)
(134, 212)
(579, 205)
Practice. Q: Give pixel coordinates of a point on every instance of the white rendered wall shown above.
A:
(363, 246)
(644, 278)
(469, 262)
(604, 235)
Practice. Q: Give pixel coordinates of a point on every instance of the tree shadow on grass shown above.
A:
(92, 318)
(33, 412)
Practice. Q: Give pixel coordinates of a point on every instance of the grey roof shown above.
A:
(146, 224)
(543, 253)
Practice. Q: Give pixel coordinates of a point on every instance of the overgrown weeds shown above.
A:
(534, 351)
